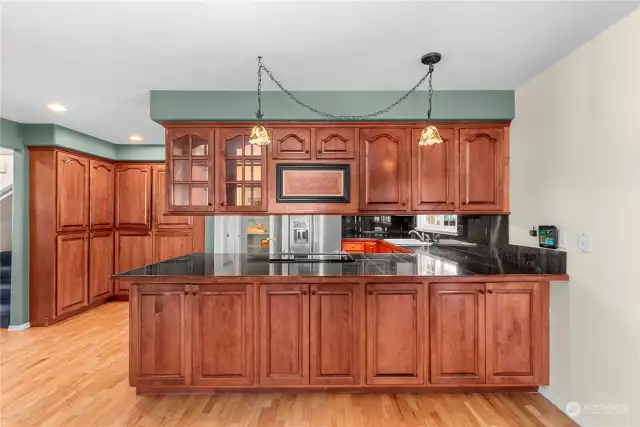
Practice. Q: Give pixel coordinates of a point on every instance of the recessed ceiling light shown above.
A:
(135, 138)
(57, 107)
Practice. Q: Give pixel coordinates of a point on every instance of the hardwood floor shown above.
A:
(75, 374)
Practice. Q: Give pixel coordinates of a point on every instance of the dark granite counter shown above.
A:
(433, 261)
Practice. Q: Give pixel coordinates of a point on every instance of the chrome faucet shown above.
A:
(422, 236)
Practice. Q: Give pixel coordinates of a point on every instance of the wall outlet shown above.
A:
(585, 243)
(3, 167)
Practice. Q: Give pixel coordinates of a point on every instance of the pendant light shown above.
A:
(430, 134)
(259, 135)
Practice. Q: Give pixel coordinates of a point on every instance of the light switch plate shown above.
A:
(585, 243)
(3, 167)
(562, 240)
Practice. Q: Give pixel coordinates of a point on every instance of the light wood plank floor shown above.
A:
(75, 374)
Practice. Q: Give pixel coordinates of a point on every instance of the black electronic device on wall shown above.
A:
(548, 236)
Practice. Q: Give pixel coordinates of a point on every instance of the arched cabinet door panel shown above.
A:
(102, 194)
(291, 143)
(133, 196)
(73, 192)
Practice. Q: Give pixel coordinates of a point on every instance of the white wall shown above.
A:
(575, 163)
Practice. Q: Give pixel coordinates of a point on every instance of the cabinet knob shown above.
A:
(319, 151)
(186, 292)
(304, 292)
(306, 151)
(221, 203)
(313, 292)
(481, 291)
(490, 291)
(370, 292)
(194, 293)
(210, 204)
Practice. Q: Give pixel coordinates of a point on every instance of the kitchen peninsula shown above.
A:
(210, 322)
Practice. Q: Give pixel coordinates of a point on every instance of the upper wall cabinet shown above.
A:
(133, 196)
(241, 172)
(73, 192)
(335, 143)
(484, 157)
(291, 143)
(190, 160)
(433, 183)
(384, 169)
(101, 194)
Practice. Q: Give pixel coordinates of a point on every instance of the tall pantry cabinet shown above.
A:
(89, 218)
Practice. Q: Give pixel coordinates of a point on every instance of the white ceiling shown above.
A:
(101, 60)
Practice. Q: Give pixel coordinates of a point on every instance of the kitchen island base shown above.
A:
(343, 334)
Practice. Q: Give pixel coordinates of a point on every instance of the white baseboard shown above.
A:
(22, 327)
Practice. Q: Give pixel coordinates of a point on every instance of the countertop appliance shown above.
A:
(310, 257)
(548, 236)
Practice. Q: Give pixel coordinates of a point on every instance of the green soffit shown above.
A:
(448, 105)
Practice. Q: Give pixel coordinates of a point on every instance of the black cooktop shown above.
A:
(310, 257)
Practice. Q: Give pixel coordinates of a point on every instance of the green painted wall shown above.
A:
(472, 105)
(11, 137)
(146, 153)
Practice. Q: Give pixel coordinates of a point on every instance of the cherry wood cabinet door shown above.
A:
(133, 250)
(72, 272)
(160, 341)
(102, 195)
(223, 335)
(73, 192)
(384, 169)
(171, 244)
(483, 164)
(514, 333)
(160, 220)
(284, 334)
(190, 157)
(335, 143)
(100, 265)
(395, 334)
(291, 143)
(433, 168)
(457, 333)
(335, 340)
(133, 196)
(241, 170)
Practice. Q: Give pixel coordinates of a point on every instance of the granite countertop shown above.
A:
(433, 261)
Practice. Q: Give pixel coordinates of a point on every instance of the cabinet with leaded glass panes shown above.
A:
(190, 161)
(241, 170)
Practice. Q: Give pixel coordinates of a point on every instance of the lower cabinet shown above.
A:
(223, 335)
(133, 250)
(486, 333)
(335, 338)
(159, 335)
(72, 272)
(395, 334)
(171, 244)
(284, 334)
(100, 265)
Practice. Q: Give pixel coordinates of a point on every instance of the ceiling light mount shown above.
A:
(431, 58)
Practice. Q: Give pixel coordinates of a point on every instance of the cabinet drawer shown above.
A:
(353, 247)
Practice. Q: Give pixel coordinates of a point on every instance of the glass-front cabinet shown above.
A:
(190, 161)
(241, 172)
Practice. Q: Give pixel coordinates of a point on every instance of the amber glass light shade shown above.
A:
(259, 136)
(430, 136)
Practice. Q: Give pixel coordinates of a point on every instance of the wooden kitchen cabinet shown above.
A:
(133, 250)
(159, 341)
(513, 333)
(284, 334)
(483, 164)
(73, 192)
(190, 176)
(170, 244)
(223, 335)
(133, 196)
(335, 325)
(335, 143)
(100, 265)
(457, 333)
(291, 143)
(395, 334)
(241, 172)
(434, 170)
(384, 169)
(160, 220)
(102, 194)
(72, 272)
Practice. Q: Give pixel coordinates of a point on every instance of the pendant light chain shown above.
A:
(430, 74)
(261, 67)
